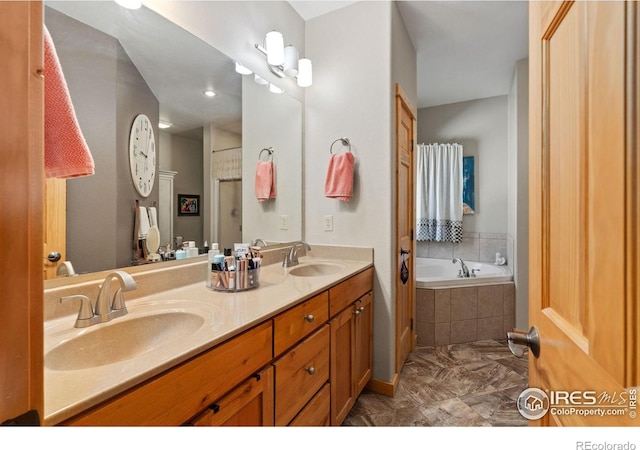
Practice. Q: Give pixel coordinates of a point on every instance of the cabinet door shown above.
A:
(342, 365)
(250, 404)
(300, 374)
(364, 342)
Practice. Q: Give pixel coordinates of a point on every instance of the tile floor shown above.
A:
(470, 385)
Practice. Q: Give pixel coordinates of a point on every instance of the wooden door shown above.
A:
(21, 203)
(55, 225)
(405, 214)
(584, 209)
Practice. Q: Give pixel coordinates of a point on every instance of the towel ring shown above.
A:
(344, 141)
(269, 151)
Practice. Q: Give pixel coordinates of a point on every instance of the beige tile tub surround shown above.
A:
(466, 314)
(228, 314)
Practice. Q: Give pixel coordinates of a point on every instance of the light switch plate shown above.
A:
(328, 223)
(284, 222)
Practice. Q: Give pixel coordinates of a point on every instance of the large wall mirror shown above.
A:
(119, 63)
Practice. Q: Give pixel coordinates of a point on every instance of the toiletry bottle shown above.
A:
(211, 274)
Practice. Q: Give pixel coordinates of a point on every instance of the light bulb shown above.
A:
(242, 69)
(290, 61)
(275, 89)
(275, 48)
(305, 75)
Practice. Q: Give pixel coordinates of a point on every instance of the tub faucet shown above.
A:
(465, 269)
(291, 259)
(259, 241)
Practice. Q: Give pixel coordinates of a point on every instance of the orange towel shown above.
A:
(339, 181)
(66, 153)
(265, 181)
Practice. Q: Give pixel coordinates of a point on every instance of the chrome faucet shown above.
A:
(259, 241)
(107, 307)
(465, 269)
(291, 258)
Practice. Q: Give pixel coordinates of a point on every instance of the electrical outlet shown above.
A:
(328, 223)
(284, 222)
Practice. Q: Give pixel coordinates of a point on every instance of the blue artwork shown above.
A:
(468, 186)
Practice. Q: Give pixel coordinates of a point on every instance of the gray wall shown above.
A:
(107, 92)
(184, 155)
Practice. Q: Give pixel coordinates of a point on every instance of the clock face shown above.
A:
(142, 155)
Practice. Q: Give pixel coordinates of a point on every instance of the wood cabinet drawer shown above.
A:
(345, 293)
(173, 397)
(299, 321)
(316, 413)
(250, 404)
(300, 373)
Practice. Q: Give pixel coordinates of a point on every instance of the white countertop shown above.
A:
(69, 392)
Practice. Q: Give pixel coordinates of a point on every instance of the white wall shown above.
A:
(271, 120)
(352, 96)
(518, 180)
(481, 126)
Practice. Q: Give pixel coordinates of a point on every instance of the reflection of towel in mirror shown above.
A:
(265, 181)
(153, 216)
(66, 153)
(143, 227)
(339, 181)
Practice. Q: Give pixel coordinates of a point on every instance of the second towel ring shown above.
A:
(344, 141)
(269, 151)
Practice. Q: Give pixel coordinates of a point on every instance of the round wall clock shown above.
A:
(142, 155)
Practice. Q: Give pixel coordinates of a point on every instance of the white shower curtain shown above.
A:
(439, 193)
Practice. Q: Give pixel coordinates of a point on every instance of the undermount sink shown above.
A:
(318, 269)
(121, 339)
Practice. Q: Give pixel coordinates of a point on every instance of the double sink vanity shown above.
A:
(297, 350)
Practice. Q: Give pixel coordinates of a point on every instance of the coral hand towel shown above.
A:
(66, 153)
(339, 181)
(265, 181)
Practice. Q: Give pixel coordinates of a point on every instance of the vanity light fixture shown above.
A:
(130, 4)
(209, 93)
(242, 70)
(275, 89)
(284, 61)
(164, 124)
(259, 80)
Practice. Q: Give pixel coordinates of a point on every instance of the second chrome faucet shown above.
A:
(107, 306)
(291, 258)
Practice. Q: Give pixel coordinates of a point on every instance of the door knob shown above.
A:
(519, 340)
(54, 256)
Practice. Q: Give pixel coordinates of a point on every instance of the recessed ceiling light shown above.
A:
(209, 93)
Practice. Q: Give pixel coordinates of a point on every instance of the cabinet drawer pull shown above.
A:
(214, 407)
(309, 318)
(311, 370)
(256, 376)
(356, 312)
(361, 308)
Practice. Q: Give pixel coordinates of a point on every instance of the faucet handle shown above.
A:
(85, 314)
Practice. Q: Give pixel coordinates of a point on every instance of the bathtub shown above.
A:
(434, 273)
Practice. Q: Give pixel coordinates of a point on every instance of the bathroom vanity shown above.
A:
(295, 351)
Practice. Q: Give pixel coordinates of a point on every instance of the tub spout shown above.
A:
(465, 269)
